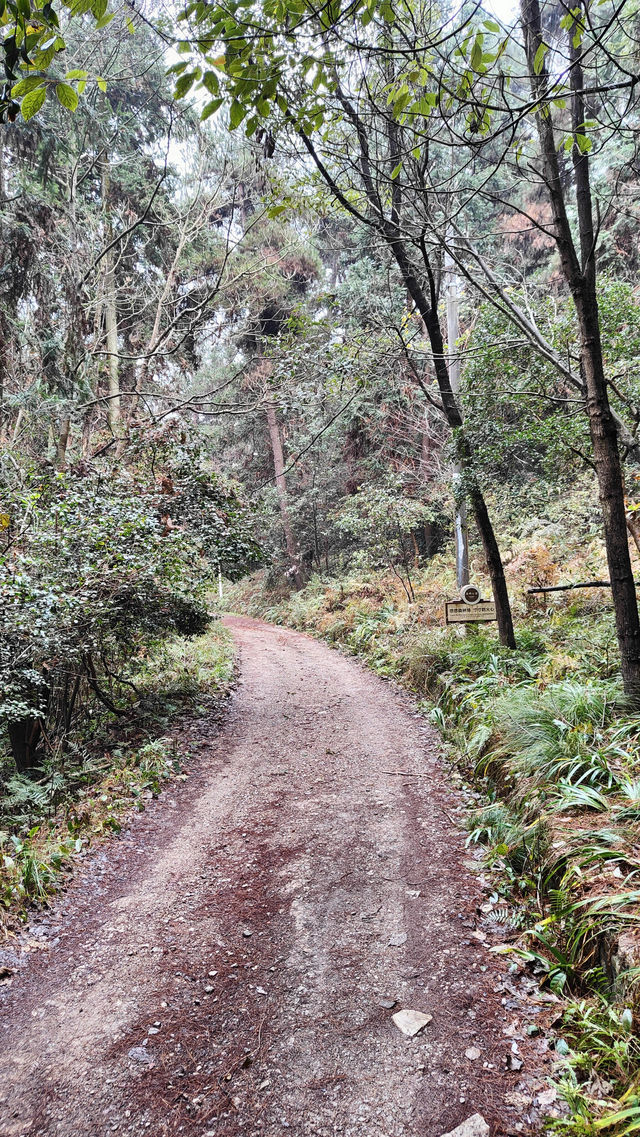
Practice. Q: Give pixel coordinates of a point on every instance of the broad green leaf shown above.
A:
(25, 85)
(211, 108)
(476, 53)
(184, 84)
(98, 8)
(210, 82)
(236, 114)
(77, 73)
(32, 102)
(67, 97)
(538, 59)
(102, 84)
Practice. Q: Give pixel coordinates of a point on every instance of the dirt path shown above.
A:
(225, 967)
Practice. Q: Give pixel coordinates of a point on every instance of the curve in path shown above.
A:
(228, 965)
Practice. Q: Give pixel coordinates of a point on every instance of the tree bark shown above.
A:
(24, 736)
(453, 415)
(281, 487)
(63, 441)
(110, 307)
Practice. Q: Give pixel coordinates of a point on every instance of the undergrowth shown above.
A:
(542, 737)
(85, 792)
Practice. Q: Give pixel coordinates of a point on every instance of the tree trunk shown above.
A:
(604, 439)
(453, 415)
(633, 525)
(426, 301)
(281, 487)
(63, 442)
(110, 308)
(24, 736)
(580, 274)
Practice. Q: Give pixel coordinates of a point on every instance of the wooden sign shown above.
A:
(457, 612)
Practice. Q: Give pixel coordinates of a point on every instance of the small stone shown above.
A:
(387, 1004)
(547, 1097)
(139, 1054)
(472, 1053)
(247, 932)
(397, 939)
(518, 1100)
(208, 989)
(411, 1022)
(475, 1126)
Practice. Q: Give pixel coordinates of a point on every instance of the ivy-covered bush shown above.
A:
(96, 568)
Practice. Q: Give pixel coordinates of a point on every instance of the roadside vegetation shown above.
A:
(84, 793)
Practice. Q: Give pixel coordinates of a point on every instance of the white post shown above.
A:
(453, 335)
(219, 582)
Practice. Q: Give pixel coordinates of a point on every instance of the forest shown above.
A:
(317, 315)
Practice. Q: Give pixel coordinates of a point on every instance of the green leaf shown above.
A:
(211, 108)
(538, 59)
(67, 97)
(131, 26)
(236, 114)
(394, 173)
(211, 82)
(184, 84)
(476, 53)
(102, 83)
(25, 85)
(32, 102)
(77, 73)
(98, 8)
